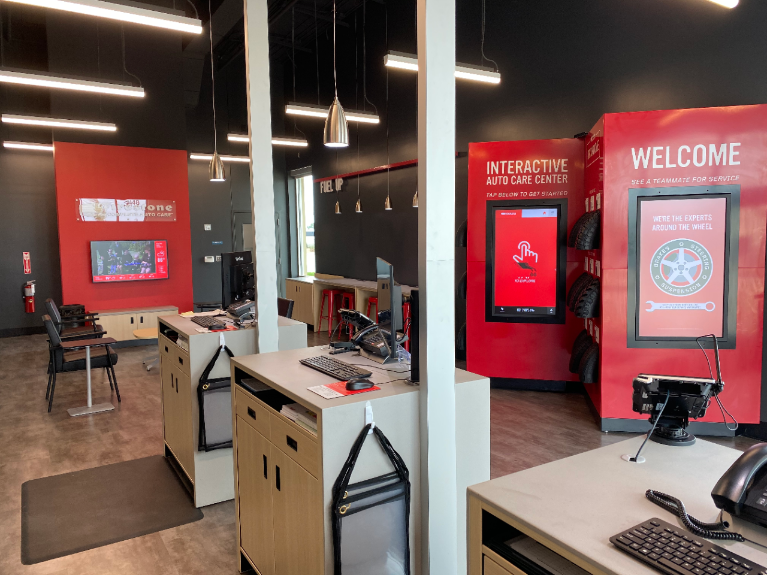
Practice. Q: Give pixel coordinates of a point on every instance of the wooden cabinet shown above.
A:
(279, 502)
(302, 294)
(121, 323)
(177, 413)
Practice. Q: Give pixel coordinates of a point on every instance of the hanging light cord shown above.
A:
(386, 29)
(2, 38)
(122, 35)
(196, 15)
(364, 60)
(293, 61)
(335, 86)
(482, 43)
(212, 76)
(317, 50)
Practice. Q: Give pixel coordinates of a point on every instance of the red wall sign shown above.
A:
(27, 262)
(84, 170)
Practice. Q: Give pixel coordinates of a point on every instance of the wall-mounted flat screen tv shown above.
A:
(129, 260)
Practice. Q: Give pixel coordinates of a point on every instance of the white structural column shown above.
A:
(436, 281)
(261, 181)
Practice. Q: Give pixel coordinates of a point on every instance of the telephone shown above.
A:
(742, 490)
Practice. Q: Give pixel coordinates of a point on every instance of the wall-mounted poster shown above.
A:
(102, 210)
(682, 263)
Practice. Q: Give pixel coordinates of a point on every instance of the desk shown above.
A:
(307, 294)
(573, 506)
(208, 475)
(299, 539)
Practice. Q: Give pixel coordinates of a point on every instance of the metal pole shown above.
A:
(88, 370)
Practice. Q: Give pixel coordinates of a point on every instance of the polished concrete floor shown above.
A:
(527, 429)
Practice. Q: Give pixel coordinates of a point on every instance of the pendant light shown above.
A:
(216, 171)
(387, 202)
(338, 208)
(336, 128)
(415, 199)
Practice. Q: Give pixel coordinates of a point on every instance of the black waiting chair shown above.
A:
(84, 324)
(61, 360)
(285, 307)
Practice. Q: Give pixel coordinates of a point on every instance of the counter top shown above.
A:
(186, 326)
(348, 283)
(282, 371)
(169, 308)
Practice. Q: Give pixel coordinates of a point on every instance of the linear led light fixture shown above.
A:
(64, 83)
(124, 13)
(57, 123)
(209, 157)
(276, 140)
(726, 3)
(28, 146)
(462, 71)
(315, 111)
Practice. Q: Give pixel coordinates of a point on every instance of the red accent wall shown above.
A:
(616, 172)
(91, 171)
(519, 350)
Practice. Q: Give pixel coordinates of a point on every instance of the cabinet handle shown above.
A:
(171, 381)
(176, 385)
(181, 360)
(252, 414)
(166, 349)
(141, 319)
(265, 467)
(277, 479)
(292, 443)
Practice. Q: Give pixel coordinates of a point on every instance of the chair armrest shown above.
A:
(78, 316)
(83, 343)
(88, 335)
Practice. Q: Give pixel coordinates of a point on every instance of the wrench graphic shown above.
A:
(708, 306)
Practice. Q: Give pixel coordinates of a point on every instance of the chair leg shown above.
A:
(53, 388)
(109, 375)
(114, 375)
(48, 391)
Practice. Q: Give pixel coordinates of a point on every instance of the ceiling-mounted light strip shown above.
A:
(57, 123)
(209, 157)
(462, 71)
(64, 83)
(124, 13)
(276, 140)
(726, 3)
(28, 146)
(314, 111)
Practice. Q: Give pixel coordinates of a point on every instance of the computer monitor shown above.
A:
(389, 300)
(237, 277)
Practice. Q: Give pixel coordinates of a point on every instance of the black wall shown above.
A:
(563, 64)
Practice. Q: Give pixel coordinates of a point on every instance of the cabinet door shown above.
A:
(254, 488)
(111, 325)
(297, 509)
(293, 291)
(168, 401)
(186, 442)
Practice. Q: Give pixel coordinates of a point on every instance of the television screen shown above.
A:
(525, 262)
(122, 261)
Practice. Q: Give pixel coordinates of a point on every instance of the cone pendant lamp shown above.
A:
(338, 208)
(415, 199)
(336, 128)
(216, 169)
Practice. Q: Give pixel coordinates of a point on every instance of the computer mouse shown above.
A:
(359, 384)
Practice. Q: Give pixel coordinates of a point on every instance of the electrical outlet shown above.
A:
(218, 258)
(207, 227)
(209, 259)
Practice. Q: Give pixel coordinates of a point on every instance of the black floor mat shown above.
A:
(73, 512)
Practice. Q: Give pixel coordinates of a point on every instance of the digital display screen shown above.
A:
(121, 261)
(681, 267)
(525, 261)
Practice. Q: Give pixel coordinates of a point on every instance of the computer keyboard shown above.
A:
(675, 551)
(339, 370)
(209, 322)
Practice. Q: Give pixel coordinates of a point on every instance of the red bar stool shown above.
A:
(372, 301)
(347, 302)
(407, 319)
(330, 295)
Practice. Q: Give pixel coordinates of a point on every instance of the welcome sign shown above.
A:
(113, 210)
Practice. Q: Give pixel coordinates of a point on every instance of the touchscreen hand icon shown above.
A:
(525, 257)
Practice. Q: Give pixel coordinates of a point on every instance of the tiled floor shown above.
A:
(527, 429)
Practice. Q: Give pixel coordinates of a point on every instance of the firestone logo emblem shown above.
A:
(681, 267)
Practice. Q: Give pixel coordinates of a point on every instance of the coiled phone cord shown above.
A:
(700, 528)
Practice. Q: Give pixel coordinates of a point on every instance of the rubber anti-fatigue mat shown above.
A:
(73, 512)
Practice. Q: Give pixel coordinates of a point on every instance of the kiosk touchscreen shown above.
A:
(526, 249)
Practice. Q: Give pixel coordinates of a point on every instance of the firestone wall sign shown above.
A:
(112, 210)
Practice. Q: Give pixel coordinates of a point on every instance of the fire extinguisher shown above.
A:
(29, 297)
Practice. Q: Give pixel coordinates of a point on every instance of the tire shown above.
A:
(588, 235)
(461, 287)
(588, 301)
(461, 238)
(460, 340)
(588, 369)
(576, 228)
(582, 343)
(575, 290)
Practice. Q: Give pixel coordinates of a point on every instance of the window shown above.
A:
(305, 224)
